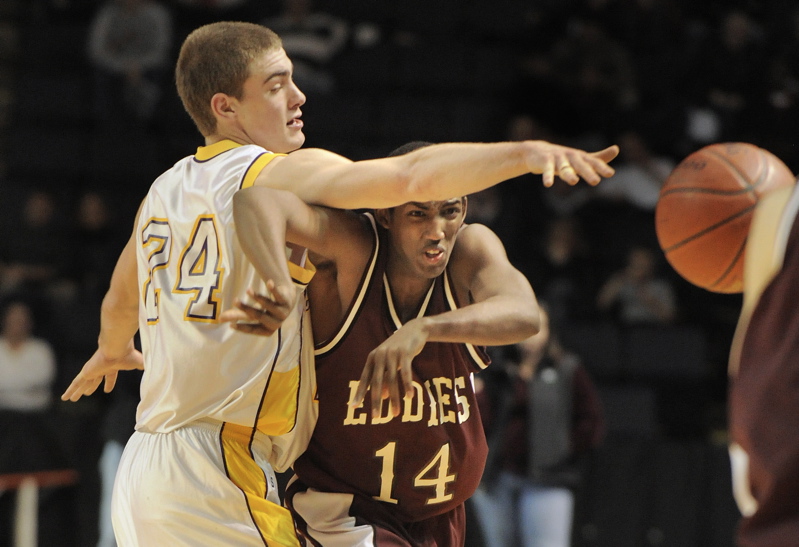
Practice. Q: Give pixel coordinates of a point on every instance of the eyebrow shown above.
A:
(278, 74)
(447, 203)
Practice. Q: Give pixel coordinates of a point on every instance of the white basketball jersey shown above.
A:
(190, 269)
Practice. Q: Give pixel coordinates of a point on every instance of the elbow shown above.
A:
(531, 321)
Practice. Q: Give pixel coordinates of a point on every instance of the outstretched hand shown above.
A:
(380, 372)
(268, 313)
(102, 368)
(570, 164)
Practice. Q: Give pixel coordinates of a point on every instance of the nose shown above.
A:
(297, 98)
(435, 229)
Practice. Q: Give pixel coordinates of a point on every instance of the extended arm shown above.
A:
(118, 325)
(436, 172)
(502, 310)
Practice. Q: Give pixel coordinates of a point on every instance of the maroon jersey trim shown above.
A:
(355, 306)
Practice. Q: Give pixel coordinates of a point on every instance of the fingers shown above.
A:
(393, 390)
(276, 301)
(251, 319)
(567, 173)
(79, 387)
(406, 373)
(363, 383)
(233, 315)
(376, 387)
(110, 382)
(549, 172)
(608, 154)
(585, 170)
(571, 165)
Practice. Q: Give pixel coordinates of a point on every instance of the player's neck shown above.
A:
(407, 294)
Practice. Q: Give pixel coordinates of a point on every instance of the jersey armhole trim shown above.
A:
(328, 346)
(256, 167)
(478, 355)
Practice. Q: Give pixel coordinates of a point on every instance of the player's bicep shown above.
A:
(485, 270)
(305, 173)
(324, 178)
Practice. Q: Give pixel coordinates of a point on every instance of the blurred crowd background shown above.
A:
(89, 117)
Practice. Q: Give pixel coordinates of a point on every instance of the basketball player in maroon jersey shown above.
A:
(394, 291)
(764, 367)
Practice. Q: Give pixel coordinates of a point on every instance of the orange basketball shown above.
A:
(705, 207)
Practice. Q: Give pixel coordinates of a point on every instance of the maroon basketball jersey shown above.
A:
(428, 459)
(764, 399)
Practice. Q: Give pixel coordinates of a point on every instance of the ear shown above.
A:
(223, 106)
(382, 216)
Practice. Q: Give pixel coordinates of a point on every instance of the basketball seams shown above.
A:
(708, 229)
(733, 264)
(705, 209)
(740, 175)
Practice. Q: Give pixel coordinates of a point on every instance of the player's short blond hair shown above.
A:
(216, 58)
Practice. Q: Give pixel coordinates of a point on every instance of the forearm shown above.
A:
(433, 173)
(492, 322)
(450, 170)
(261, 231)
(119, 321)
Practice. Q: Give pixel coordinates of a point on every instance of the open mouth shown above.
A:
(434, 255)
(295, 123)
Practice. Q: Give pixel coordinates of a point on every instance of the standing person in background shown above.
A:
(27, 373)
(130, 43)
(543, 418)
(637, 294)
(312, 38)
(394, 472)
(220, 410)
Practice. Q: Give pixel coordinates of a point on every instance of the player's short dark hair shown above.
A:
(215, 58)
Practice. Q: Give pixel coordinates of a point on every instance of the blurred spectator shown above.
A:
(543, 418)
(34, 261)
(98, 240)
(639, 173)
(27, 372)
(562, 272)
(776, 116)
(129, 46)
(312, 39)
(27, 364)
(636, 295)
(731, 73)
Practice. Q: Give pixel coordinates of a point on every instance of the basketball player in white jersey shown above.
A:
(217, 407)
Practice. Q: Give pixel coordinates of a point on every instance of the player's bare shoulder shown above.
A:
(476, 247)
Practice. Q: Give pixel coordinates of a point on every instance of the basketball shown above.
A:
(705, 208)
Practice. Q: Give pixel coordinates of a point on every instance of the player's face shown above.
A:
(423, 235)
(269, 110)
